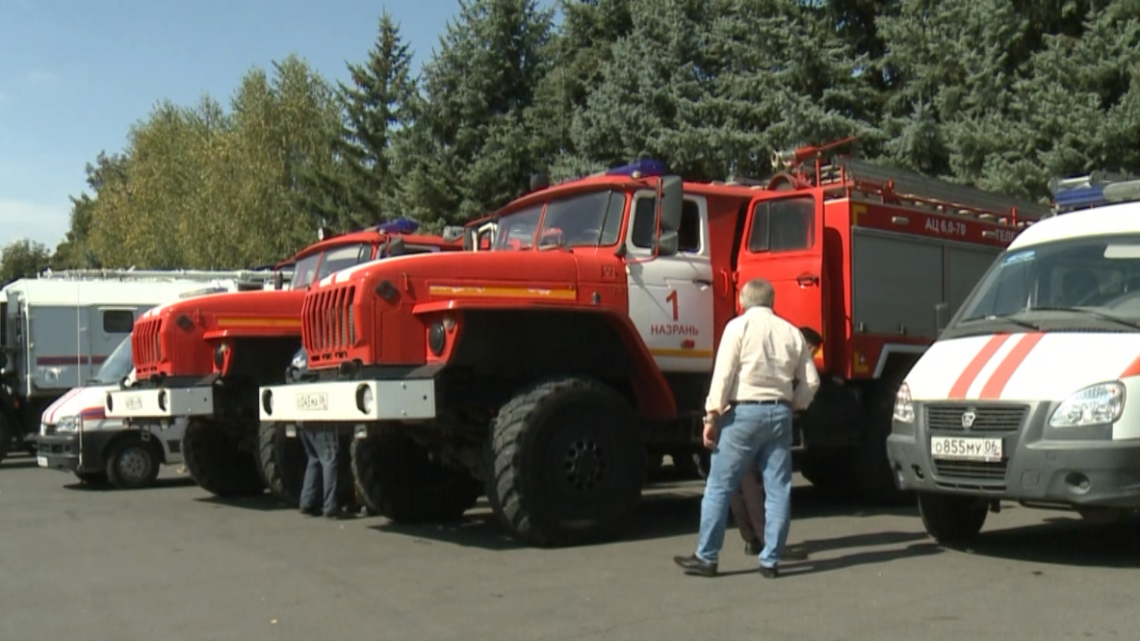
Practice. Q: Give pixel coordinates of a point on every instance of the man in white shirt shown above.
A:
(764, 371)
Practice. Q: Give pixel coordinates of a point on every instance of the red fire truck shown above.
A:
(204, 359)
(550, 366)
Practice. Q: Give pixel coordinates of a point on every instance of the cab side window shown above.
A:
(783, 225)
(645, 224)
(118, 321)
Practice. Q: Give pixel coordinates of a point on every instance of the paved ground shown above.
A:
(170, 563)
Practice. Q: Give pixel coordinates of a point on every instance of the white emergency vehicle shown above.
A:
(75, 435)
(56, 331)
(1032, 391)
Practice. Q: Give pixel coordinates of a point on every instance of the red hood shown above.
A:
(177, 339)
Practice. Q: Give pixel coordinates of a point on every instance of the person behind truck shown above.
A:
(747, 502)
(748, 422)
(323, 452)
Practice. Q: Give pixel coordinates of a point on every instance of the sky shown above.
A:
(75, 74)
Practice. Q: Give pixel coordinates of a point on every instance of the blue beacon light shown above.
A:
(398, 226)
(644, 167)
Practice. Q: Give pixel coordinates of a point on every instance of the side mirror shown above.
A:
(671, 196)
(941, 316)
(395, 247)
(278, 280)
(668, 243)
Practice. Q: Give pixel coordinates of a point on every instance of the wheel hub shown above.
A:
(134, 463)
(584, 465)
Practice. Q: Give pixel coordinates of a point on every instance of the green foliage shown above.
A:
(23, 259)
(1002, 94)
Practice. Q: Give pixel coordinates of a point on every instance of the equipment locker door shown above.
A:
(671, 297)
(783, 243)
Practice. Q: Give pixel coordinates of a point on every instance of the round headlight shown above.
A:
(437, 338)
(364, 399)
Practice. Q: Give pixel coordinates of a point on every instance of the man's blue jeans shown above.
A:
(750, 434)
(321, 447)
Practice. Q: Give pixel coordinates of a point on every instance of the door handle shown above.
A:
(805, 280)
(703, 281)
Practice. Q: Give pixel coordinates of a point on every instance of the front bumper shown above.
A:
(73, 451)
(349, 401)
(1077, 467)
(160, 402)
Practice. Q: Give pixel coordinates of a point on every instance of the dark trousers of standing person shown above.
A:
(747, 504)
(322, 449)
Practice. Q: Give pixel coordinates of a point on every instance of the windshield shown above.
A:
(589, 219)
(305, 273)
(1080, 283)
(117, 365)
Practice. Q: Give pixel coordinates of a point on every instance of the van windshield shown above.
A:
(1089, 284)
(117, 365)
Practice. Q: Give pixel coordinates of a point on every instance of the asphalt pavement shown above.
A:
(172, 563)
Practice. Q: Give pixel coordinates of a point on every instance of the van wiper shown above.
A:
(1092, 312)
(1004, 317)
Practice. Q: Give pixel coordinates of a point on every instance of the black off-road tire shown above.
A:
(7, 437)
(216, 463)
(952, 520)
(132, 463)
(282, 462)
(564, 463)
(873, 475)
(92, 478)
(830, 471)
(398, 480)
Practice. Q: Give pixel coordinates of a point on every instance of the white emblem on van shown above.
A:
(968, 418)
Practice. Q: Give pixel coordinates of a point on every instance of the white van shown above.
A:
(75, 435)
(1027, 394)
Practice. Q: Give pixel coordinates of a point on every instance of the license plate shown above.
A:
(315, 402)
(134, 403)
(966, 449)
(41, 461)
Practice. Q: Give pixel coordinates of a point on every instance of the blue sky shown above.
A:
(75, 74)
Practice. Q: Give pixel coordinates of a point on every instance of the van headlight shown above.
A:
(1100, 404)
(904, 408)
(67, 424)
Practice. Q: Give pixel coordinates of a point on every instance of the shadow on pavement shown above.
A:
(1063, 540)
(262, 502)
(665, 511)
(160, 484)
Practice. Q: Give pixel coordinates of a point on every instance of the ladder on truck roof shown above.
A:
(242, 275)
(863, 180)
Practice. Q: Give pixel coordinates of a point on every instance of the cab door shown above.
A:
(783, 243)
(671, 297)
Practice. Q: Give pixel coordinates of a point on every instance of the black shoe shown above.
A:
(340, 516)
(769, 573)
(310, 512)
(695, 566)
(753, 548)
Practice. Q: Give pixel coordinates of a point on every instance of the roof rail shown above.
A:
(173, 274)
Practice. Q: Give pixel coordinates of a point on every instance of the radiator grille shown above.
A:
(985, 418)
(147, 347)
(329, 326)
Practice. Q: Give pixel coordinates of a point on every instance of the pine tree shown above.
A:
(359, 188)
(470, 148)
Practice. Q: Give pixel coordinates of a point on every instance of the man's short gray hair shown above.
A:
(757, 292)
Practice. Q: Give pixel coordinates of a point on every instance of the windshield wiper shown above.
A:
(1092, 312)
(1004, 317)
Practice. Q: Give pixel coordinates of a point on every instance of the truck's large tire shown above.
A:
(873, 476)
(830, 471)
(398, 480)
(952, 520)
(282, 461)
(217, 464)
(564, 463)
(7, 437)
